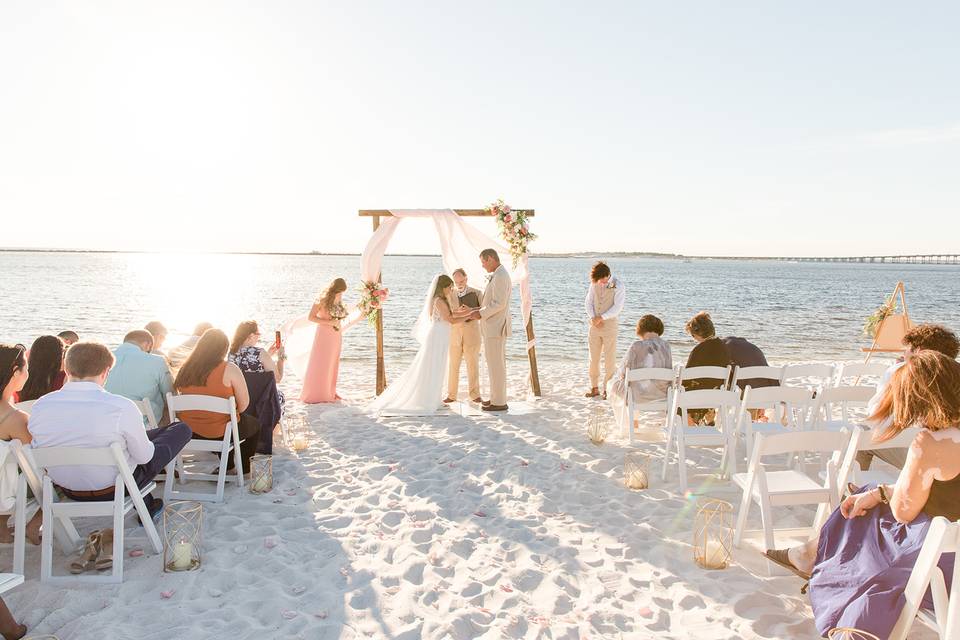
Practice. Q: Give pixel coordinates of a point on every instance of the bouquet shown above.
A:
(873, 321)
(514, 228)
(372, 297)
(338, 312)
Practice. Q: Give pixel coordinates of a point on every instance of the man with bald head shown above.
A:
(139, 374)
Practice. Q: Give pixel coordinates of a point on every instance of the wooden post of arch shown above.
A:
(376, 214)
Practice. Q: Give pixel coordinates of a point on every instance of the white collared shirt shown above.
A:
(619, 297)
(83, 414)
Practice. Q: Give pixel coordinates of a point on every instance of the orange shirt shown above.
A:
(208, 423)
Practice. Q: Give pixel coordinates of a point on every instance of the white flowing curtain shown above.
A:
(460, 247)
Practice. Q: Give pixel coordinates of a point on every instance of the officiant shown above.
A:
(464, 341)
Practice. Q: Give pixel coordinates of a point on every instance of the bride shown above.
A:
(419, 391)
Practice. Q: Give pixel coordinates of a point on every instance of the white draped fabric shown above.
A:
(460, 246)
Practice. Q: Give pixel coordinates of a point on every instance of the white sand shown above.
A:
(457, 527)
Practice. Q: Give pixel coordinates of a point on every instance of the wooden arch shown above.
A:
(376, 214)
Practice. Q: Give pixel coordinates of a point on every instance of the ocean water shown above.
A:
(793, 311)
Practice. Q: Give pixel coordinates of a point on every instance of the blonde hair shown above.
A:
(925, 392)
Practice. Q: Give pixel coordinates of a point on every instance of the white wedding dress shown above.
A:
(419, 391)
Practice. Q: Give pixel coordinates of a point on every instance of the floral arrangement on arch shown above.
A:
(372, 297)
(514, 228)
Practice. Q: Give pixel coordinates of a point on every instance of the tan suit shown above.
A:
(602, 340)
(464, 345)
(495, 328)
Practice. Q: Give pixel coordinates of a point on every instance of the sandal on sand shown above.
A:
(780, 557)
(105, 558)
(88, 556)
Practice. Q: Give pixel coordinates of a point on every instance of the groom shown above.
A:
(494, 317)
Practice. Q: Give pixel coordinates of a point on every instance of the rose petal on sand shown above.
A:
(321, 614)
(480, 514)
(506, 588)
(166, 595)
(645, 612)
(291, 492)
(289, 614)
(270, 542)
(136, 552)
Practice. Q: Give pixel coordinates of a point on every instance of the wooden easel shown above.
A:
(376, 214)
(889, 335)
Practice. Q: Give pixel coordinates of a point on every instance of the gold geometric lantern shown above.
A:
(713, 534)
(261, 473)
(598, 425)
(182, 536)
(635, 474)
(849, 633)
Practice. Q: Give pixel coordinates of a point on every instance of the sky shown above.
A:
(703, 128)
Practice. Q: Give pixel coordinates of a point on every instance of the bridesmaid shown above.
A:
(320, 381)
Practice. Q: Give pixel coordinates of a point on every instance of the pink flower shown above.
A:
(375, 304)
(508, 218)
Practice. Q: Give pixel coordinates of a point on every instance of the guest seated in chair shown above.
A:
(207, 372)
(84, 414)
(179, 354)
(13, 425)
(45, 360)
(139, 374)
(710, 351)
(648, 351)
(923, 336)
(68, 337)
(249, 357)
(159, 333)
(865, 552)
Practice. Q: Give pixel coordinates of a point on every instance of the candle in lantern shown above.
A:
(299, 443)
(714, 555)
(261, 484)
(637, 479)
(182, 555)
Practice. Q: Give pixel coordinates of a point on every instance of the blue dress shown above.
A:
(863, 564)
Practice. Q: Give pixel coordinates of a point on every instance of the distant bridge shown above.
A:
(930, 258)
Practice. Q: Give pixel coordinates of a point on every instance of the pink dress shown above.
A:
(320, 381)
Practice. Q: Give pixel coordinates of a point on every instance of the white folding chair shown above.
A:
(788, 486)
(942, 537)
(710, 373)
(652, 374)
(815, 375)
(861, 440)
(721, 435)
(230, 443)
(857, 370)
(790, 409)
(64, 530)
(124, 485)
(147, 410)
(845, 399)
(9, 581)
(755, 373)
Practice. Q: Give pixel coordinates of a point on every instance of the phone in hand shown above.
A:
(276, 339)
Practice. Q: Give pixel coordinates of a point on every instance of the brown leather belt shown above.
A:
(96, 493)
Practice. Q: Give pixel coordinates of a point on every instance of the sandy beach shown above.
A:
(475, 526)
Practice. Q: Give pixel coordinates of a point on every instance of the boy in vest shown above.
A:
(603, 305)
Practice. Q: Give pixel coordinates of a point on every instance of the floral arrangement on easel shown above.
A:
(372, 297)
(872, 323)
(514, 228)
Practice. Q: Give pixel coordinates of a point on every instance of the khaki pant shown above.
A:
(602, 340)
(494, 351)
(464, 345)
